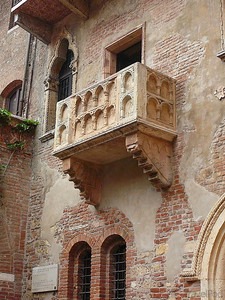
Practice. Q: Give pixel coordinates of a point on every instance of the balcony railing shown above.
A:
(131, 113)
(136, 95)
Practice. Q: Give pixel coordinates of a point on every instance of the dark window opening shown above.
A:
(119, 273)
(65, 77)
(13, 102)
(85, 276)
(128, 56)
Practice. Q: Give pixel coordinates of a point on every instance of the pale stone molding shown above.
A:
(86, 177)
(153, 156)
(205, 264)
(7, 277)
(220, 93)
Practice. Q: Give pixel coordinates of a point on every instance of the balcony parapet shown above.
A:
(39, 16)
(131, 113)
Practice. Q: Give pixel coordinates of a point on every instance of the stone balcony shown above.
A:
(131, 113)
(39, 16)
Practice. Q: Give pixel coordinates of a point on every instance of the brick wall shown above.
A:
(15, 181)
(173, 54)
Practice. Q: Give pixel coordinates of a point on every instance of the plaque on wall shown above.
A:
(45, 279)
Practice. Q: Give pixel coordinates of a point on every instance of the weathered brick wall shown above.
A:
(15, 181)
(177, 44)
(13, 46)
(173, 47)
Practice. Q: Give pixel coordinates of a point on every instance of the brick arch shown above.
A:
(68, 259)
(11, 87)
(80, 237)
(97, 226)
(119, 230)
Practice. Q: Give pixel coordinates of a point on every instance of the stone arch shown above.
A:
(78, 130)
(165, 113)
(64, 43)
(152, 84)
(208, 261)
(64, 113)
(165, 90)
(62, 135)
(128, 81)
(152, 109)
(78, 106)
(88, 101)
(88, 123)
(127, 106)
(111, 114)
(100, 120)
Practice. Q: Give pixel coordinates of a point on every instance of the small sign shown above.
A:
(7, 277)
(45, 279)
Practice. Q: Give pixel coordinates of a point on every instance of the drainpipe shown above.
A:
(28, 75)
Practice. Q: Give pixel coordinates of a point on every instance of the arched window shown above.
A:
(13, 101)
(79, 272)
(11, 97)
(84, 275)
(113, 268)
(118, 272)
(61, 79)
(65, 77)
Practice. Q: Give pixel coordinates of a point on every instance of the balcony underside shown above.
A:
(150, 146)
(39, 16)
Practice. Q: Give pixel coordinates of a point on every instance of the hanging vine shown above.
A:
(13, 134)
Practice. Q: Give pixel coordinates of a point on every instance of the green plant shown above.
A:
(2, 167)
(17, 145)
(5, 116)
(26, 125)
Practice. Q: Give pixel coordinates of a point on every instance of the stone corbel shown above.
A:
(86, 177)
(153, 156)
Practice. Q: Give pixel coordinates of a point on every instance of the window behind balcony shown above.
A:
(65, 77)
(125, 51)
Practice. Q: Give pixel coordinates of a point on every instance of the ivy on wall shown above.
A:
(15, 133)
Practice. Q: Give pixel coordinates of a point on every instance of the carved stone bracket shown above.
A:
(86, 177)
(153, 156)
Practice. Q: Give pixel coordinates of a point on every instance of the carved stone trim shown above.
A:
(220, 93)
(86, 177)
(203, 241)
(153, 156)
(221, 55)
